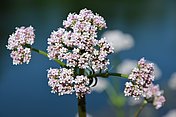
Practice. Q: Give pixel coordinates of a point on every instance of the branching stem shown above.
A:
(107, 74)
(45, 54)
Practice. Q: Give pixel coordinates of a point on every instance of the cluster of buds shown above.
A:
(140, 78)
(78, 46)
(141, 84)
(63, 82)
(17, 41)
(155, 95)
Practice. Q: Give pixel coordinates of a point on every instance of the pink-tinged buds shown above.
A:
(17, 41)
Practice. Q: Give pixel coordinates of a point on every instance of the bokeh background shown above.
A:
(23, 89)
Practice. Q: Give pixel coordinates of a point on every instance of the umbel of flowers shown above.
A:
(82, 57)
(141, 85)
(78, 46)
(17, 41)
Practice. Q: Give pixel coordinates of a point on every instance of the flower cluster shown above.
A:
(153, 93)
(81, 85)
(63, 82)
(141, 84)
(78, 46)
(140, 78)
(16, 42)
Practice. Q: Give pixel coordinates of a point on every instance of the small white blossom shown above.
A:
(17, 41)
(21, 55)
(81, 86)
(153, 92)
(133, 90)
(61, 81)
(172, 81)
(140, 78)
(119, 40)
(21, 37)
(140, 84)
(127, 65)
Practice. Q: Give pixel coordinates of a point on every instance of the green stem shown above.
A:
(140, 109)
(107, 74)
(45, 54)
(82, 106)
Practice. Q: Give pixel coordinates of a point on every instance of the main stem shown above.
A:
(82, 106)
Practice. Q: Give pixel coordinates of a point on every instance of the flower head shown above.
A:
(77, 45)
(140, 79)
(154, 94)
(81, 86)
(17, 41)
(21, 55)
(61, 81)
(141, 84)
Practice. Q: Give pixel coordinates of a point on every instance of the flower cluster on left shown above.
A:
(17, 44)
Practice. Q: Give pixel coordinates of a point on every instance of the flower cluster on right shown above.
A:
(141, 84)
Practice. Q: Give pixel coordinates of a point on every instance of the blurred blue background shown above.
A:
(23, 89)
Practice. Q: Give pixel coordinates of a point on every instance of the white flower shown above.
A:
(141, 77)
(21, 55)
(61, 81)
(119, 40)
(81, 86)
(21, 37)
(153, 92)
(77, 43)
(172, 81)
(16, 43)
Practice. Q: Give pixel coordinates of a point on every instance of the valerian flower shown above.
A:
(61, 81)
(155, 96)
(77, 45)
(17, 41)
(141, 84)
(140, 78)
